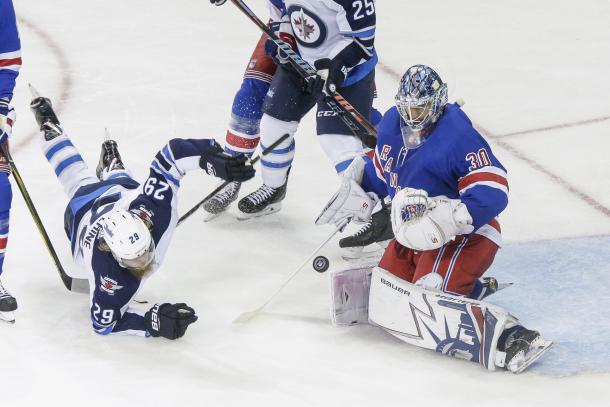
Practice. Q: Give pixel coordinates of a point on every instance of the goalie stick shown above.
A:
(80, 285)
(249, 315)
(356, 122)
(224, 184)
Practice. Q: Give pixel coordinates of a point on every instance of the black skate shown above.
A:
(110, 159)
(378, 232)
(523, 347)
(8, 304)
(45, 116)
(264, 201)
(220, 202)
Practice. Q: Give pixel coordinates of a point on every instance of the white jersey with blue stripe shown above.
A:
(112, 288)
(323, 28)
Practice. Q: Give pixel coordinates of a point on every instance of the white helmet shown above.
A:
(128, 239)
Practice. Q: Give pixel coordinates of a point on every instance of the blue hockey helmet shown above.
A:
(421, 98)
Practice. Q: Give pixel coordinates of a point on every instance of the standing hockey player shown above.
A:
(10, 62)
(243, 134)
(120, 230)
(337, 37)
(447, 189)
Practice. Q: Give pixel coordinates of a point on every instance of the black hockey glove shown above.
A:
(335, 70)
(169, 320)
(219, 164)
(218, 2)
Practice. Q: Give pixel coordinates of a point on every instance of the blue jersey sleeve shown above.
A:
(482, 179)
(10, 49)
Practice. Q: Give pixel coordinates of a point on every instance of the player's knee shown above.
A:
(341, 149)
(272, 128)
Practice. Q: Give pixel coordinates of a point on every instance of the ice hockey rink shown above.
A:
(534, 76)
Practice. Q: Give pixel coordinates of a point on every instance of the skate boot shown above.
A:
(378, 232)
(264, 201)
(221, 201)
(523, 347)
(110, 159)
(8, 304)
(45, 116)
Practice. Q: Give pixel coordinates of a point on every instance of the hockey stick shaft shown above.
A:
(337, 103)
(247, 316)
(68, 281)
(266, 151)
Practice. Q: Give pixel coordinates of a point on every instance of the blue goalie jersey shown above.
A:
(454, 161)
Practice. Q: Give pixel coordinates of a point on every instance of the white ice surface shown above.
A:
(151, 70)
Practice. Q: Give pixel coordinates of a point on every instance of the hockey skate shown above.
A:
(523, 347)
(220, 202)
(110, 159)
(8, 304)
(370, 241)
(264, 201)
(45, 116)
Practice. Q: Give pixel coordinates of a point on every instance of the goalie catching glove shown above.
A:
(219, 164)
(350, 201)
(169, 320)
(423, 223)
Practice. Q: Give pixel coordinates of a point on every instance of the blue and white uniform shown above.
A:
(323, 29)
(454, 161)
(112, 288)
(10, 63)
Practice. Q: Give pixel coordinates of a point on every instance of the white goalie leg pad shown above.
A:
(451, 325)
(349, 295)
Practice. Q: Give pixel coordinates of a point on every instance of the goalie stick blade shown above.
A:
(80, 285)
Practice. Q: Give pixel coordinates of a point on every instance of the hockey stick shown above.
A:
(80, 285)
(248, 315)
(224, 184)
(356, 122)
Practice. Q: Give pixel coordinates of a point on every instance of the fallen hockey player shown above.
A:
(447, 189)
(119, 229)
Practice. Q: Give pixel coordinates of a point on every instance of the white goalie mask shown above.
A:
(128, 239)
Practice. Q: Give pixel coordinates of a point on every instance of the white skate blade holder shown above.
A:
(536, 351)
(8, 316)
(272, 208)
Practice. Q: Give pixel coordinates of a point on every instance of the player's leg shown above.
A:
(457, 267)
(8, 304)
(399, 260)
(243, 134)
(66, 161)
(284, 107)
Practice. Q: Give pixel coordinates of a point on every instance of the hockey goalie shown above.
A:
(446, 189)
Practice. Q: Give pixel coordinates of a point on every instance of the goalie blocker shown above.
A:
(457, 326)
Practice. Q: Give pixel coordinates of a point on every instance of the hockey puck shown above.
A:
(321, 264)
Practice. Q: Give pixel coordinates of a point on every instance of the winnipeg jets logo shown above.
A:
(109, 285)
(305, 30)
(309, 30)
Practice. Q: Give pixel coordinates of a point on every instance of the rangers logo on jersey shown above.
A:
(309, 30)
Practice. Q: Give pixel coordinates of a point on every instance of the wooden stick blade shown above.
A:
(246, 316)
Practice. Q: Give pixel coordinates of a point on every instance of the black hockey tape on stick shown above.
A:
(72, 284)
(356, 122)
(224, 184)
